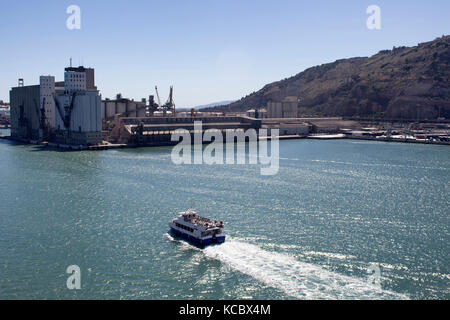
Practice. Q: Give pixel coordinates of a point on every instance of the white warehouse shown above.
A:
(85, 118)
(78, 119)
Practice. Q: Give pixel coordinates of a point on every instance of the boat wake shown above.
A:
(297, 279)
(184, 245)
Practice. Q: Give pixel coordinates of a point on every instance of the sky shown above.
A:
(208, 50)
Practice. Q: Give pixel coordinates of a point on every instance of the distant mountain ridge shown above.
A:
(405, 82)
(214, 104)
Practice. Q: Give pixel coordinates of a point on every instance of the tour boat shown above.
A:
(199, 230)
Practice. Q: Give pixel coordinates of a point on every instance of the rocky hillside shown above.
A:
(406, 82)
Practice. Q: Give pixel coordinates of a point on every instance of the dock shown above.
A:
(326, 136)
(286, 137)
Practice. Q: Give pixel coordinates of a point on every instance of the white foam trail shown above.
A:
(168, 236)
(184, 245)
(297, 279)
(329, 255)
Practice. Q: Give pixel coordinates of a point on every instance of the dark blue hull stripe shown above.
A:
(202, 242)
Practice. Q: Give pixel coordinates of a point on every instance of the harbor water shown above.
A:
(342, 219)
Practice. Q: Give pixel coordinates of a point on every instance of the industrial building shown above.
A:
(46, 93)
(87, 74)
(292, 128)
(66, 112)
(79, 109)
(129, 108)
(332, 125)
(125, 107)
(5, 114)
(151, 131)
(288, 108)
(25, 116)
(257, 113)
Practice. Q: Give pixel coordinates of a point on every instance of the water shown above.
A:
(310, 232)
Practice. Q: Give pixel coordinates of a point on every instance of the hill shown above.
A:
(405, 82)
(214, 104)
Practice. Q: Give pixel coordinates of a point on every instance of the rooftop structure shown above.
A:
(89, 75)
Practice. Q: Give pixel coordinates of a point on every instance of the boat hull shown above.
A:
(197, 241)
(219, 239)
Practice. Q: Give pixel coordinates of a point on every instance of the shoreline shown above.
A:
(169, 143)
(345, 137)
(444, 143)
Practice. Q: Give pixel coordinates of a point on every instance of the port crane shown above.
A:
(157, 96)
(169, 105)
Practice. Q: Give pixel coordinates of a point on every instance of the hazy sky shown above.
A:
(209, 50)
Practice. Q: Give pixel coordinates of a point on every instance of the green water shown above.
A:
(311, 231)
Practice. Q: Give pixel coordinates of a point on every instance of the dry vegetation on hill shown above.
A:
(406, 82)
